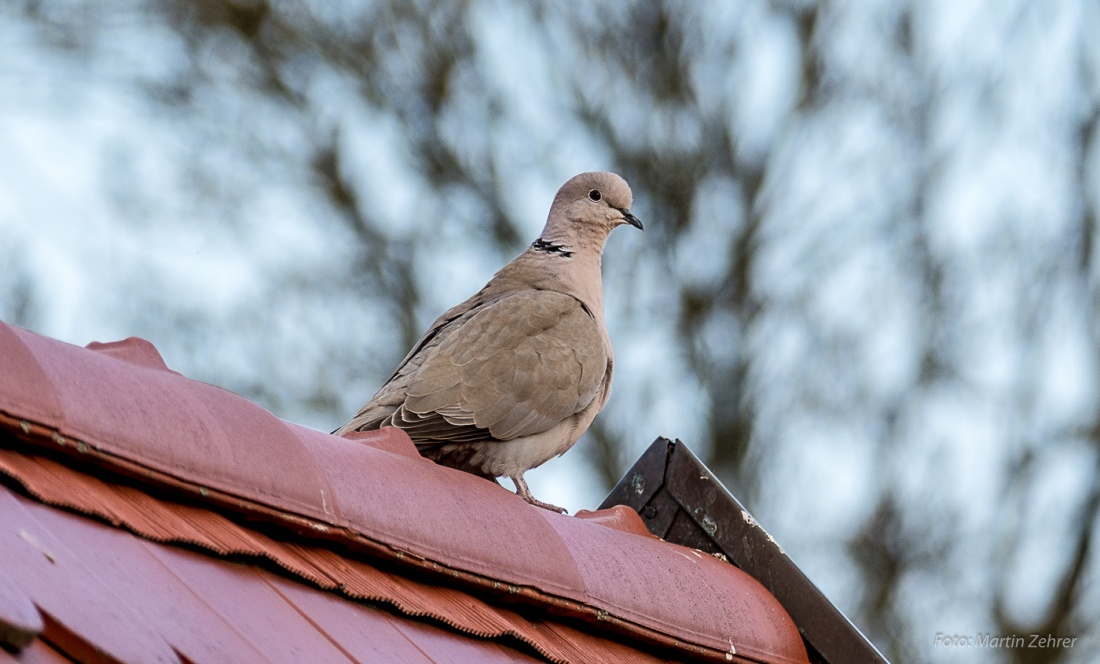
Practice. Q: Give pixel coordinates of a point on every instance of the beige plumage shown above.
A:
(513, 376)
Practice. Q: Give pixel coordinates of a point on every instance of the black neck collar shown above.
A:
(551, 248)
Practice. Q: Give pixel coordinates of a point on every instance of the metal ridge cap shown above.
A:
(120, 397)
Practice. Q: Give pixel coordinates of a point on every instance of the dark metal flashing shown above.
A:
(681, 501)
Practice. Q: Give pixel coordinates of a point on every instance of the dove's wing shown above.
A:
(512, 368)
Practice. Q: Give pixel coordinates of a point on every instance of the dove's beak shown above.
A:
(631, 219)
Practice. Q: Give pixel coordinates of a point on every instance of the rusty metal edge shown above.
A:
(747, 545)
(79, 451)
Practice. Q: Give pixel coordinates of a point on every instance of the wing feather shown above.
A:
(514, 367)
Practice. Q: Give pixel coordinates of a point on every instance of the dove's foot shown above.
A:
(525, 493)
(547, 506)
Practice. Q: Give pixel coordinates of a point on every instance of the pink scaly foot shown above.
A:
(525, 493)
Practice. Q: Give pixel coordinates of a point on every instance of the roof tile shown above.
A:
(49, 572)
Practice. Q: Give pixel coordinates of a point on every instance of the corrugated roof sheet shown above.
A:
(366, 518)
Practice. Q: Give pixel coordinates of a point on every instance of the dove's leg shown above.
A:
(525, 493)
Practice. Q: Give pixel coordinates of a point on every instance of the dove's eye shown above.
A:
(595, 195)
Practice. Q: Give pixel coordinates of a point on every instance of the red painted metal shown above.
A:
(159, 520)
(120, 407)
(618, 517)
(38, 652)
(19, 620)
(206, 609)
(51, 571)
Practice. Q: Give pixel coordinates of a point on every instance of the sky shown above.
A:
(110, 230)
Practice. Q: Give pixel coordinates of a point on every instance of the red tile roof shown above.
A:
(160, 459)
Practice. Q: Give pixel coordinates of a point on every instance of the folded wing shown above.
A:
(511, 368)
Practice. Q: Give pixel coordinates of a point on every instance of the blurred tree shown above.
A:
(867, 291)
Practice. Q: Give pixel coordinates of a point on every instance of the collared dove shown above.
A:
(513, 376)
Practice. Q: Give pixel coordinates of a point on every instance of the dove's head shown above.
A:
(590, 205)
